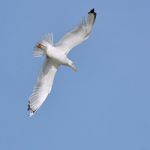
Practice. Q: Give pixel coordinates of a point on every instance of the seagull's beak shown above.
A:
(74, 67)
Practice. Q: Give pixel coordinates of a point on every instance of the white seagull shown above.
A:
(56, 55)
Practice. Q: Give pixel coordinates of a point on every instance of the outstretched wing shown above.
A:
(43, 86)
(78, 34)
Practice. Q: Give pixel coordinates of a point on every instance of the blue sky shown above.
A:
(105, 104)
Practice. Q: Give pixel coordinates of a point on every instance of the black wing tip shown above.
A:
(30, 110)
(92, 11)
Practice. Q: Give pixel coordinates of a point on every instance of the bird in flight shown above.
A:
(56, 55)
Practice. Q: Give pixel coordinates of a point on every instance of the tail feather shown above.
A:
(45, 42)
(48, 38)
(38, 52)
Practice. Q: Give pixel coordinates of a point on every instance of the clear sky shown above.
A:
(105, 105)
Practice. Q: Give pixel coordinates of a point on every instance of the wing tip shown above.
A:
(30, 111)
(30, 114)
(92, 11)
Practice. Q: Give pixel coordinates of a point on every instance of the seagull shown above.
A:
(55, 56)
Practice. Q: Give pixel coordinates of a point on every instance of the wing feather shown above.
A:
(78, 34)
(43, 86)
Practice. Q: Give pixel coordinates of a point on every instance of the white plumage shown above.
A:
(56, 55)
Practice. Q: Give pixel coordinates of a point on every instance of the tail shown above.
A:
(38, 52)
(40, 48)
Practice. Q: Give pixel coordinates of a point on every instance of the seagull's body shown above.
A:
(56, 55)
